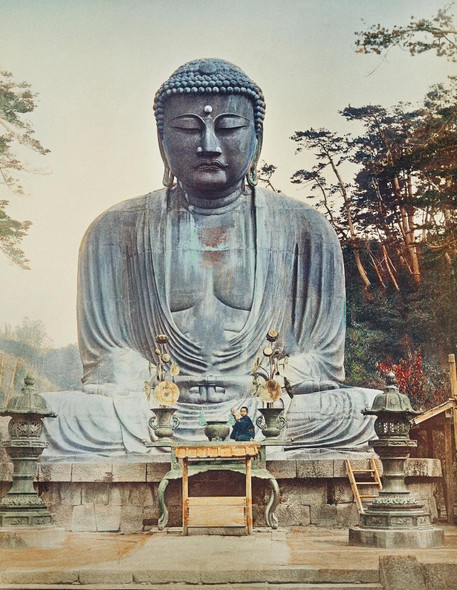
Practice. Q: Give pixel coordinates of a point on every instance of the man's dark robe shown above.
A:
(243, 429)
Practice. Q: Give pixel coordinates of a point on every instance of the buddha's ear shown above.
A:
(251, 174)
(168, 178)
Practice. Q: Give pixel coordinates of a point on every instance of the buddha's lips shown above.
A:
(214, 164)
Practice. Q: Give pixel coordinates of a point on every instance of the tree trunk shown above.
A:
(347, 208)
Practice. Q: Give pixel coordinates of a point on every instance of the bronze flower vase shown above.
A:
(164, 423)
(271, 422)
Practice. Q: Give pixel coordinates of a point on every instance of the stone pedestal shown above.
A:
(22, 506)
(395, 518)
(418, 538)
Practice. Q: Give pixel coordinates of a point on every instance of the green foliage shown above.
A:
(433, 309)
(375, 325)
(396, 216)
(265, 173)
(63, 367)
(438, 34)
(424, 385)
(324, 181)
(402, 200)
(397, 224)
(22, 367)
(11, 234)
(29, 332)
(408, 159)
(392, 327)
(362, 353)
(55, 369)
(16, 100)
(28, 343)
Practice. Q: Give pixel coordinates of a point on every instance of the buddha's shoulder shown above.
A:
(136, 204)
(114, 224)
(285, 207)
(130, 207)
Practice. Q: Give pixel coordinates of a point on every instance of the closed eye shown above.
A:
(230, 122)
(226, 130)
(188, 130)
(187, 123)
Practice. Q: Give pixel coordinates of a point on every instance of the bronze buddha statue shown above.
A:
(213, 262)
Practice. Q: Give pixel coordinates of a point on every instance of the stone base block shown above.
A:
(420, 538)
(25, 516)
(41, 537)
(123, 496)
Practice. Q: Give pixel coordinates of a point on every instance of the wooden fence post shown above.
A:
(451, 452)
(453, 375)
(11, 385)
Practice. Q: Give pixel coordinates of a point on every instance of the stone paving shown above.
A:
(298, 557)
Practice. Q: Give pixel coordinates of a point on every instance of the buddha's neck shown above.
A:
(213, 204)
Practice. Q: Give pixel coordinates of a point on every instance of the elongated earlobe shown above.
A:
(251, 174)
(168, 178)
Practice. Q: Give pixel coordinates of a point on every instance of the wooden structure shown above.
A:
(436, 432)
(217, 511)
(7, 389)
(191, 458)
(370, 478)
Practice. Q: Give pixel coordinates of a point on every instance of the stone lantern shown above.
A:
(22, 506)
(395, 518)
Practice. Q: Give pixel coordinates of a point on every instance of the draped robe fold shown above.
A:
(298, 290)
(123, 288)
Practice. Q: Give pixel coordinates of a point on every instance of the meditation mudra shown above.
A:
(213, 262)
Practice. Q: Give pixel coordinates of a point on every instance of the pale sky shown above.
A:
(97, 64)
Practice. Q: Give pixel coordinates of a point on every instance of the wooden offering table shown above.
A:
(213, 511)
(188, 459)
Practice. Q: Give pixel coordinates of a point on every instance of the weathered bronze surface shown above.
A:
(271, 422)
(164, 423)
(210, 263)
(217, 430)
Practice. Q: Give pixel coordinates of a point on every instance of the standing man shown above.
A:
(243, 429)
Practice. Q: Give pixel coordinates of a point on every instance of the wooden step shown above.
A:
(355, 484)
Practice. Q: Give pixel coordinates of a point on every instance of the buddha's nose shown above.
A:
(210, 143)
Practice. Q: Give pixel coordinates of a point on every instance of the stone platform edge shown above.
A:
(276, 575)
(153, 472)
(393, 572)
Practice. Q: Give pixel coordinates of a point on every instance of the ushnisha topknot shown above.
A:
(210, 76)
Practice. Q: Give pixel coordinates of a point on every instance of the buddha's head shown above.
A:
(210, 119)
